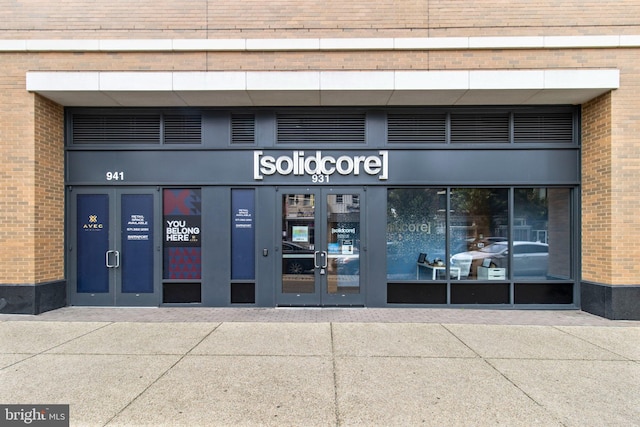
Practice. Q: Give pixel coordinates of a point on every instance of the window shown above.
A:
(182, 270)
(503, 245)
(415, 225)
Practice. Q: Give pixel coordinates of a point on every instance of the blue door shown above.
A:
(113, 247)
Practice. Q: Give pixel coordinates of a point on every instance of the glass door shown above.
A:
(113, 247)
(320, 250)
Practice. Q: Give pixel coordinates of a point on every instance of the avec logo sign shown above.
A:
(320, 167)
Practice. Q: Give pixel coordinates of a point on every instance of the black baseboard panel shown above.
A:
(33, 299)
(610, 301)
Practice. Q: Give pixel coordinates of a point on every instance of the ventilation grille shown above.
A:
(416, 128)
(321, 128)
(485, 128)
(116, 129)
(243, 129)
(183, 129)
(543, 127)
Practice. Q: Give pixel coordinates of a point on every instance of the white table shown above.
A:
(455, 271)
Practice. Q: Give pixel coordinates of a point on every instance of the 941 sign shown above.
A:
(115, 176)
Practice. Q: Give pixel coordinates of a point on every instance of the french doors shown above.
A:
(113, 250)
(321, 247)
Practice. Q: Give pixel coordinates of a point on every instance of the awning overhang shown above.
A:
(322, 88)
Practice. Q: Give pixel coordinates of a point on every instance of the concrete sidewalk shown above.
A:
(582, 371)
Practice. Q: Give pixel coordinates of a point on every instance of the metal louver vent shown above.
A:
(543, 127)
(183, 129)
(321, 128)
(416, 128)
(116, 129)
(483, 128)
(243, 129)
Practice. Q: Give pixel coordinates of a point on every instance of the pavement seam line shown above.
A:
(593, 344)
(163, 374)
(494, 368)
(55, 346)
(335, 377)
(547, 410)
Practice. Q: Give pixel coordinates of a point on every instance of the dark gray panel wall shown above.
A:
(406, 167)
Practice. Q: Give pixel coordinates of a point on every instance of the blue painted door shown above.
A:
(113, 247)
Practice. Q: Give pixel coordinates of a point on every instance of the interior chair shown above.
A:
(463, 262)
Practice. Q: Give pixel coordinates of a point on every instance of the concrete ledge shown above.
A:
(32, 299)
(321, 44)
(611, 301)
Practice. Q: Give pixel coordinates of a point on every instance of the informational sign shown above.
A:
(243, 257)
(243, 218)
(137, 245)
(182, 213)
(181, 231)
(300, 233)
(137, 227)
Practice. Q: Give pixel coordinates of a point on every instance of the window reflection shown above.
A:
(542, 233)
(529, 245)
(482, 243)
(479, 231)
(415, 225)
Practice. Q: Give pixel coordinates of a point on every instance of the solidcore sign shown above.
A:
(318, 167)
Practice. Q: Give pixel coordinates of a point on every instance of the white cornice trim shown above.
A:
(321, 44)
(269, 88)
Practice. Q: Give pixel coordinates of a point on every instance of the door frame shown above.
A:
(116, 232)
(320, 297)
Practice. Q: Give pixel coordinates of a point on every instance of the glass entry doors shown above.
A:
(113, 247)
(321, 249)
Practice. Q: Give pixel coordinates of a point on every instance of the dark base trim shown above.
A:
(33, 299)
(613, 302)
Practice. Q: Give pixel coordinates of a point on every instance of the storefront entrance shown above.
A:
(322, 251)
(113, 247)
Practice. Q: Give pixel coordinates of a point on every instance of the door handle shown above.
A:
(322, 254)
(107, 260)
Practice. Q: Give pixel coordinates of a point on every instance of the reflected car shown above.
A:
(296, 259)
(348, 264)
(529, 258)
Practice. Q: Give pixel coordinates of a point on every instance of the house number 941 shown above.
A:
(115, 176)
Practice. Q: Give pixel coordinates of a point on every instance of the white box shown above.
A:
(486, 273)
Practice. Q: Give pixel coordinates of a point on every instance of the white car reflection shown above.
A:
(529, 258)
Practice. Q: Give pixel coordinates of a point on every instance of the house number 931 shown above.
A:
(115, 176)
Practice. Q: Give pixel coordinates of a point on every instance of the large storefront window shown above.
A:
(479, 233)
(503, 246)
(415, 231)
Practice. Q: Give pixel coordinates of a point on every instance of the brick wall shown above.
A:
(17, 204)
(597, 190)
(39, 19)
(611, 171)
(625, 172)
(48, 233)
